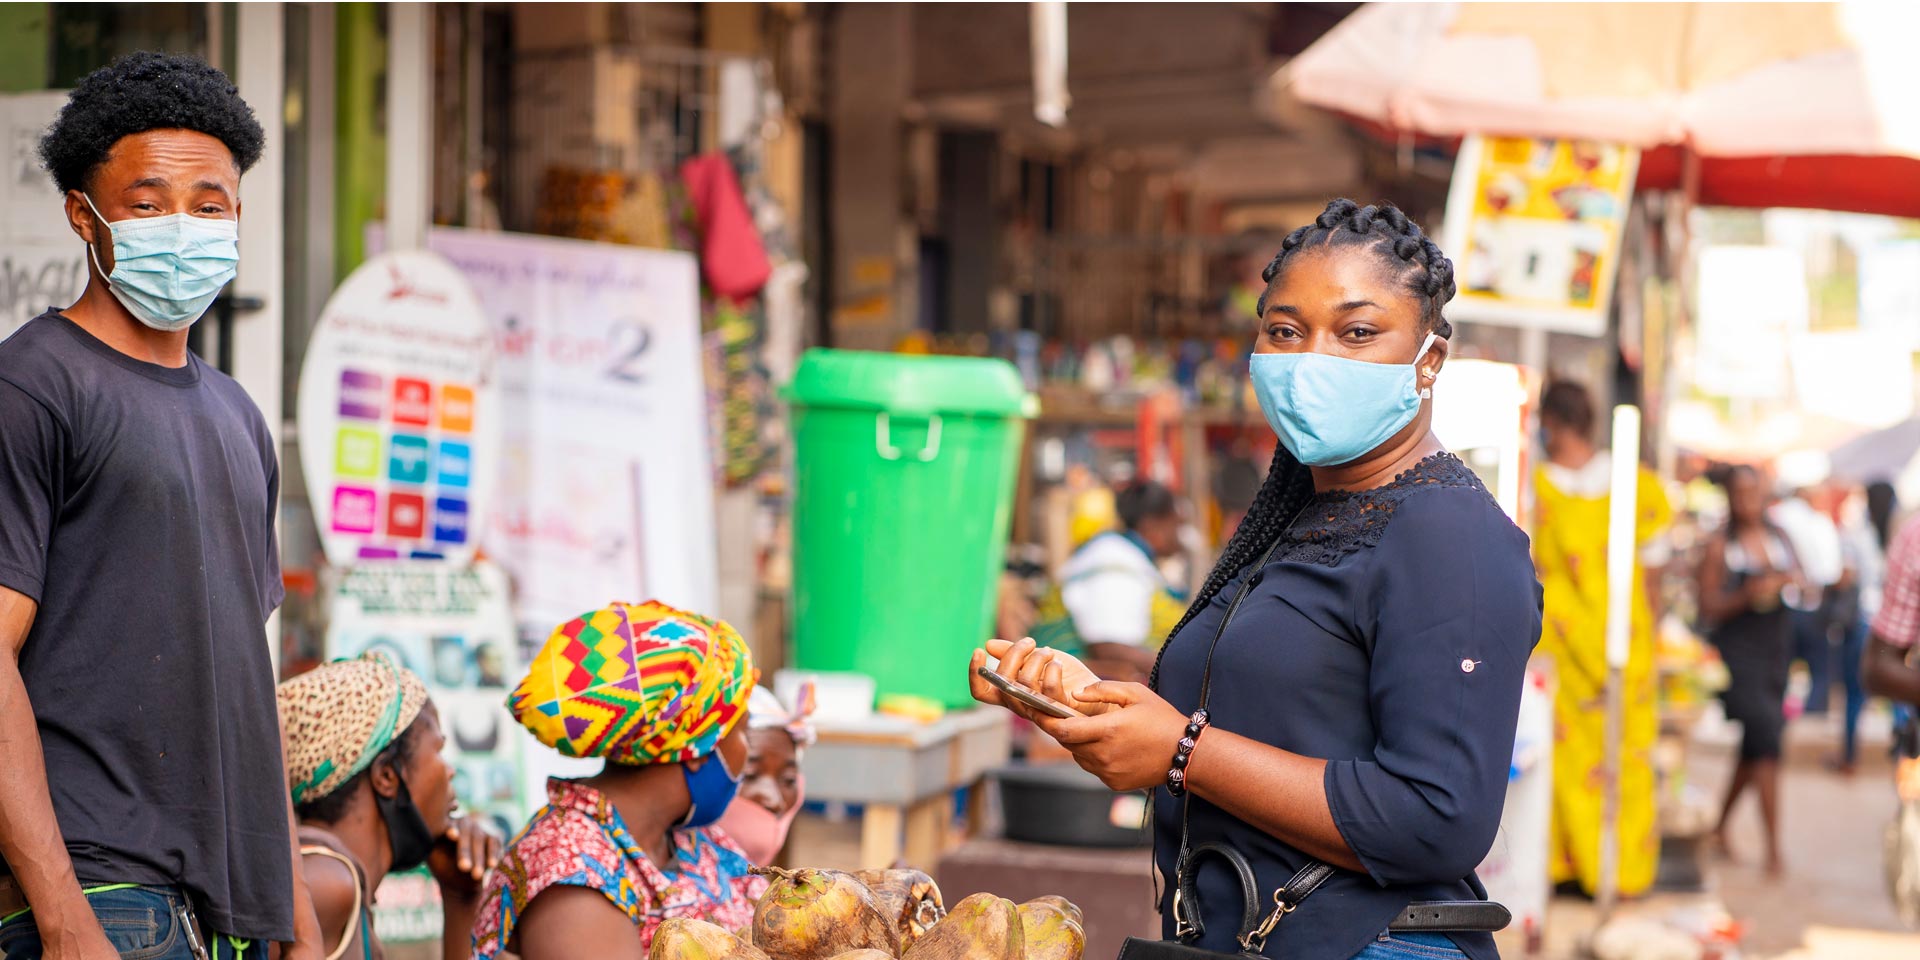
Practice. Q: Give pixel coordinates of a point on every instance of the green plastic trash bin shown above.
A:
(903, 488)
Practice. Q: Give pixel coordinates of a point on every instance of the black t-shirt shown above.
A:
(136, 508)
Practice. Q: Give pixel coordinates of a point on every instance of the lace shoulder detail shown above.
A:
(1339, 523)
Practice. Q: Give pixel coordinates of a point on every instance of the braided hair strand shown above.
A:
(1390, 235)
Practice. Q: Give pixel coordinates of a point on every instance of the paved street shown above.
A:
(1833, 904)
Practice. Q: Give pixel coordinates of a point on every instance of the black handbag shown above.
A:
(1429, 916)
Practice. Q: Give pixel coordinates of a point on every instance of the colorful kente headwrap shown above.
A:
(637, 684)
(339, 716)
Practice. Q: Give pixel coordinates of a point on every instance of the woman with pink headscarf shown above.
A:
(772, 788)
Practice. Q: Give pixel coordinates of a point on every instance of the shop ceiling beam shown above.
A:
(409, 125)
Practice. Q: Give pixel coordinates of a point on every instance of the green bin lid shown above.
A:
(909, 384)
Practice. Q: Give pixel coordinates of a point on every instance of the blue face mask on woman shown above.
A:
(167, 270)
(1330, 410)
(712, 788)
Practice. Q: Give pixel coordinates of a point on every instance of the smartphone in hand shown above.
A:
(1028, 696)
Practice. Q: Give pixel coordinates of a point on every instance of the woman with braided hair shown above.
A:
(1356, 711)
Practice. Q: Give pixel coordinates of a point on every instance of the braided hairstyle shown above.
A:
(1399, 243)
(1391, 236)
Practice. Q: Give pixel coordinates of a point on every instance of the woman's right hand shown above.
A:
(1043, 669)
(1763, 591)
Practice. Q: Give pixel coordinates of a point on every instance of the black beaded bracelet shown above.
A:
(1183, 753)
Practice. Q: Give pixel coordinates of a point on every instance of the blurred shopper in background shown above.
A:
(1883, 510)
(1570, 550)
(1113, 607)
(375, 797)
(1816, 545)
(1748, 571)
(772, 787)
(1889, 668)
(1851, 604)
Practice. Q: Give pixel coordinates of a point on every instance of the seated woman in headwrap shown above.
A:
(661, 695)
(374, 796)
(772, 788)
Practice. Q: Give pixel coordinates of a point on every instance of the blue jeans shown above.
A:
(143, 923)
(1411, 946)
(1853, 646)
(1811, 644)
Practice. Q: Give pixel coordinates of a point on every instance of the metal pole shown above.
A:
(409, 125)
(251, 345)
(1622, 507)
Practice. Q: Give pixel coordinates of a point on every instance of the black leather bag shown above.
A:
(1254, 930)
(1430, 916)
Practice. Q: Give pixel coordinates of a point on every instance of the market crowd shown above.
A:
(164, 798)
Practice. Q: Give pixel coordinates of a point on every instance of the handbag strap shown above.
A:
(1286, 899)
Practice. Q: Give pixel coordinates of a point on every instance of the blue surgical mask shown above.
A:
(1331, 410)
(167, 270)
(712, 787)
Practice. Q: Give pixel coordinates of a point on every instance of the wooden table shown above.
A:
(904, 774)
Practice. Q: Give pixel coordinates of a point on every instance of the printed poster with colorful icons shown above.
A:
(1534, 228)
(399, 436)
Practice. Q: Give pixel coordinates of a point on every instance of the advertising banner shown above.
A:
(1534, 229)
(399, 434)
(606, 478)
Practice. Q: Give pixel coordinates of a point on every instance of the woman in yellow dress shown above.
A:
(1570, 549)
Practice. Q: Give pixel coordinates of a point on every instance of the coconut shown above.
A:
(818, 915)
(908, 898)
(981, 927)
(683, 939)
(1063, 905)
(1050, 933)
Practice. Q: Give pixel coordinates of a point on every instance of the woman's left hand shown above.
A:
(1128, 748)
(463, 856)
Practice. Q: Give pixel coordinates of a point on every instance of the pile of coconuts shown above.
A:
(878, 915)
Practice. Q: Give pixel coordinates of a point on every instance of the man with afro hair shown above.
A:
(143, 801)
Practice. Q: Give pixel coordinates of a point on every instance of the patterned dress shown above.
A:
(1570, 551)
(578, 839)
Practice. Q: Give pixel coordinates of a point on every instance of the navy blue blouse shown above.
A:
(1387, 635)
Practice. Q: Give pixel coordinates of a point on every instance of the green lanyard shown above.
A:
(85, 892)
(238, 945)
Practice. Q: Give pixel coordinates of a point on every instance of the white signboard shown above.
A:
(399, 430)
(1477, 413)
(453, 626)
(607, 487)
(42, 263)
(1890, 292)
(1862, 377)
(1752, 300)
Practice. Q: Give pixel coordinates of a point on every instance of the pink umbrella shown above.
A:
(1803, 104)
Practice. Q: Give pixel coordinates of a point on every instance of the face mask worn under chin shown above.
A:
(760, 832)
(407, 832)
(712, 788)
(1331, 410)
(167, 270)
